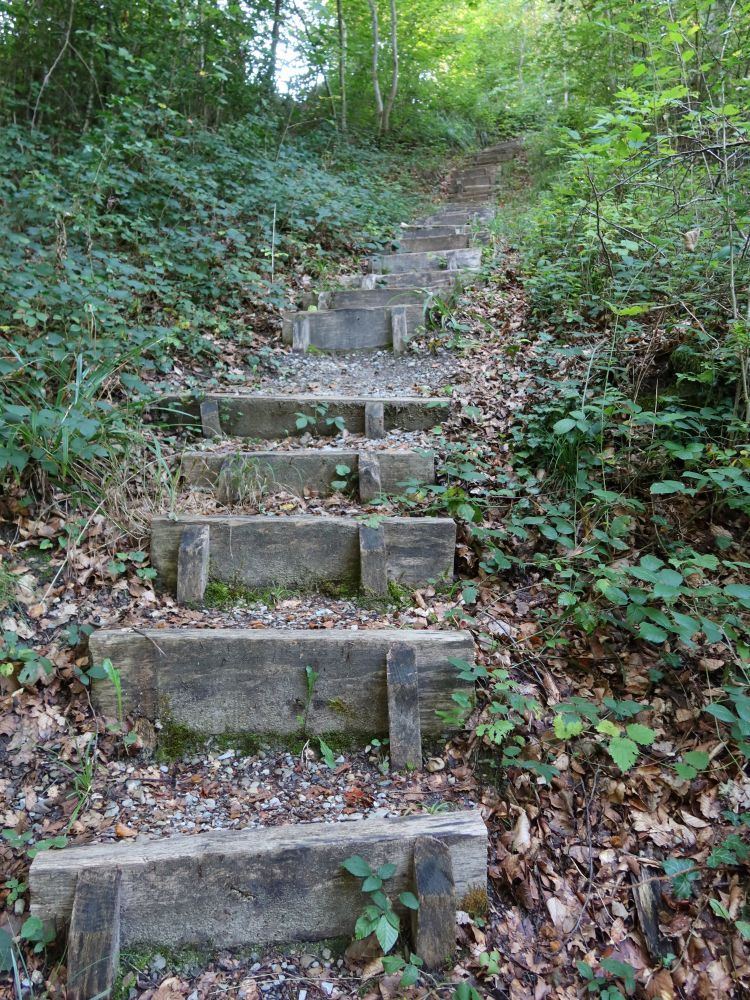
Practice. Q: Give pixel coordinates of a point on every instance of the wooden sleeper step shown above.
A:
(304, 551)
(243, 474)
(235, 888)
(353, 329)
(449, 260)
(253, 415)
(422, 244)
(254, 681)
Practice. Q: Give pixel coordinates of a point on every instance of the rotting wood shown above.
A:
(404, 726)
(373, 559)
(434, 923)
(210, 418)
(303, 551)
(647, 899)
(188, 672)
(192, 565)
(399, 329)
(374, 419)
(94, 935)
(370, 479)
(229, 888)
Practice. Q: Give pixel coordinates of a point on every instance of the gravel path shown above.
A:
(377, 373)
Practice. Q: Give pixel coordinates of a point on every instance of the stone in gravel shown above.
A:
(158, 963)
(306, 961)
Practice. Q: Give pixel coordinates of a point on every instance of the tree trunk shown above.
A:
(342, 62)
(375, 53)
(394, 79)
(275, 31)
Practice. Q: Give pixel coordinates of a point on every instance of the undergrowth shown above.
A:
(151, 238)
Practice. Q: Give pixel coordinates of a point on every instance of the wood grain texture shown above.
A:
(94, 934)
(370, 475)
(250, 472)
(374, 420)
(404, 726)
(258, 416)
(229, 888)
(434, 923)
(306, 550)
(373, 560)
(247, 680)
(192, 565)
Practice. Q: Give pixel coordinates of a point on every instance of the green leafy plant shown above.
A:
(22, 662)
(379, 917)
(605, 986)
(623, 742)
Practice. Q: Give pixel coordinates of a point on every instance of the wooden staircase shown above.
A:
(230, 887)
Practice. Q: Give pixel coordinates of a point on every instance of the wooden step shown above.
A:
(449, 260)
(371, 298)
(420, 244)
(353, 329)
(255, 681)
(461, 216)
(428, 230)
(306, 551)
(253, 415)
(233, 888)
(244, 474)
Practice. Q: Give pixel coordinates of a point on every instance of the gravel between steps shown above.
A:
(364, 373)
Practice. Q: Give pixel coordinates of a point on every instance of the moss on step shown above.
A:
(176, 741)
(226, 596)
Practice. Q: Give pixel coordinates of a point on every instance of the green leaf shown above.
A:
(651, 633)
(564, 425)
(410, 976)
(719, 909)
(697, 759)
(409, 900)
(392, 963)
(681, 875)
(738, 590)
(386, 934)
(721, 712)
(623, 751)
(667, 486)
(372, 883)
(364, 926)
(356, 865)
(387, 871)
(642, 735)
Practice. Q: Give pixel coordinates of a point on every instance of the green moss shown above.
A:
(340, 706)
(225, 596)
(177, 741)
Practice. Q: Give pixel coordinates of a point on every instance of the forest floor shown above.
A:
(568, 854)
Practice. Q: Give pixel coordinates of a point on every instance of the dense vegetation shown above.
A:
(162, 191)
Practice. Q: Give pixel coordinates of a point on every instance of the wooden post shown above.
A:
(94, 935)
(192, 565)
(210, 419)
(374, 419)
(370, 483)
(399, 329)
(404, 726)
(373, 559)
(301, 334)
(434, 923)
